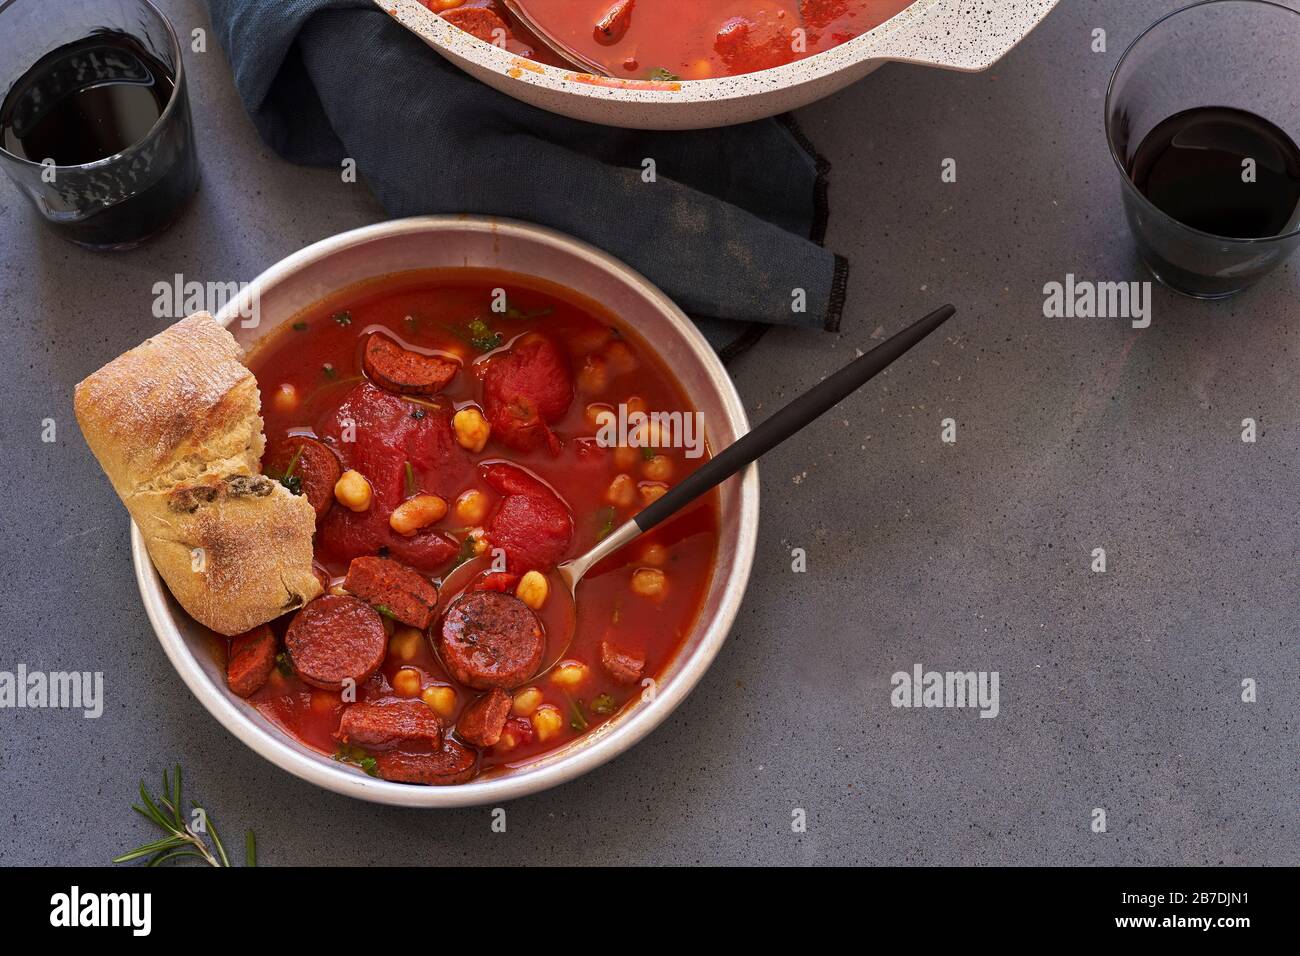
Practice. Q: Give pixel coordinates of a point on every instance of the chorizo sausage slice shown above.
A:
(481, 722)
(388, 726)
(404, 593)
(308, 467)
(450, 764)
(404, 371)
(334, 638)
(490, 639)
(252, 658)
(623, 667)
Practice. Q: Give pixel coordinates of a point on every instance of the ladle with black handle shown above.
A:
(752, 445)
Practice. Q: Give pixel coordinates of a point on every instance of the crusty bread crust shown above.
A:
(175, 423)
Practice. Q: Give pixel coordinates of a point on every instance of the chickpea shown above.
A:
(621, 492)
(416, 513)
(658, 468)
(626, 457)
(655, 555)
(651, 491)
(441, 698)
(472, 506)
(569, 673)
(619, 358)
(352, 491)
(649, 583)
(323, 701)
(526, 702)
(405, 643)
(593, 377)
(406, 682)
(286, 398)
(547, 721)
(599, 414)
(506, 741)
(533, 590)
(479, 537)
(471, 428)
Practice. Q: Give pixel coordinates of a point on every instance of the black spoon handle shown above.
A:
(776, 429)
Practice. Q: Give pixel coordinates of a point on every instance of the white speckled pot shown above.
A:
(952, 34)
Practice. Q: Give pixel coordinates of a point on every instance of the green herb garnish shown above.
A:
(482, 337)
(181, 840)
(329, 370)
(647, 453)
(300, 326)
(385, 610)
(663, 75)
(466, 552)
(576, 719)
(284, 664)
(343, 318)
(410, 478)
(602, 704)
(519, 314)
(289, 479)
(357, 756)
(607, 524)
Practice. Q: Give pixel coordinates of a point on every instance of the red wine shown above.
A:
(90, 100)
(1191, 167)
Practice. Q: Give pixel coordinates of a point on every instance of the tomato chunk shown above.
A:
(532, 525)
(525, 390)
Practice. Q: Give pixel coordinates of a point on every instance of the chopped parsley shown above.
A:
(283, 663)
(647, 453)
(482, 337)
(300, 326)
(343, 318)
(519, 314)
(663, 75)
(357, 756)
(602, 704)
(289, 479)
(606, 518)
(329, 370)
(410, 478)
(386, 611)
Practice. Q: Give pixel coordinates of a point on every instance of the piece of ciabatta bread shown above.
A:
(176, 425)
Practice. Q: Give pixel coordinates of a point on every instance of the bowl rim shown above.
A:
(810, 69)
(273, 744)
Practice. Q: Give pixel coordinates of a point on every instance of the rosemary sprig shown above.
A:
(181, 841)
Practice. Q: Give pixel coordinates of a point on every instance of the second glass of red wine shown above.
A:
(1203, 119)
(95, 122)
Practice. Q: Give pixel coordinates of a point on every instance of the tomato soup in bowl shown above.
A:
(445, 422)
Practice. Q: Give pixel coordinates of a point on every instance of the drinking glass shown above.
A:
(119, 200)
(1242, 54)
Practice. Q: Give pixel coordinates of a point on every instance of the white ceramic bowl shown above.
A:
(456, 241)
(951, 34)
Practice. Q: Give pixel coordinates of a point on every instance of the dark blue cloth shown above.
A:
(730, 229)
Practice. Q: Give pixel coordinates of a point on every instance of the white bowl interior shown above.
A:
(307, 277)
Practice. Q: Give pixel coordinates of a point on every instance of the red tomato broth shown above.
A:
(431, 311)
(688, 39)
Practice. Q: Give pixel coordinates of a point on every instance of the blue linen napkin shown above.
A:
(732, 226)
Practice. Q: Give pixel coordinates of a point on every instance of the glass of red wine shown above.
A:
(1203, 119)
(95, 122)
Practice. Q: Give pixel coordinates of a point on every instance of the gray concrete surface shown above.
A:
(1119, 691)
